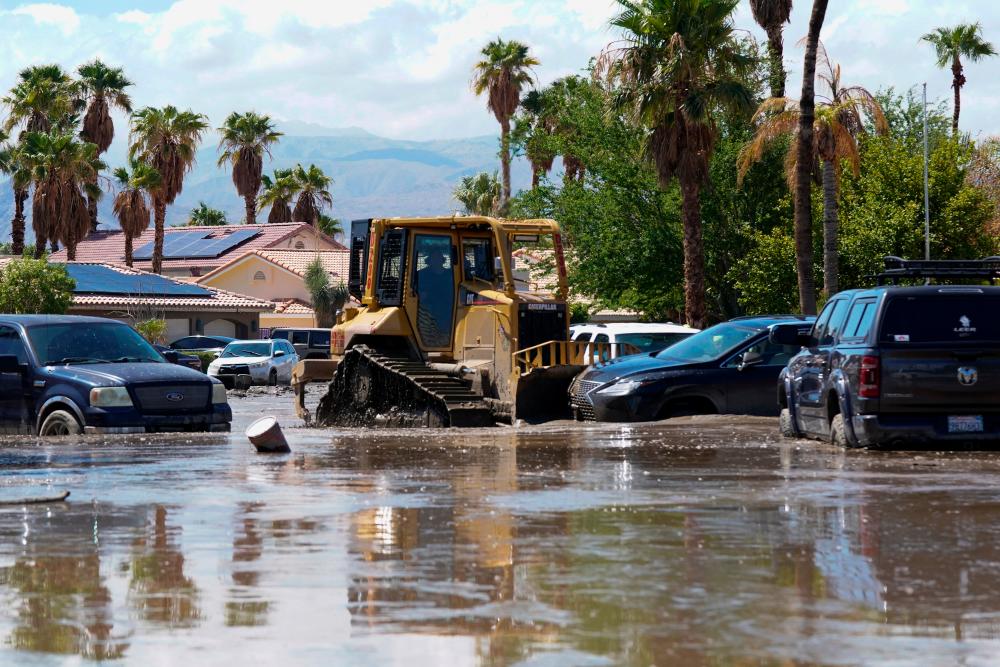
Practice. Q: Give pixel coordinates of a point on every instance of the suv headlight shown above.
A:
(624, 387)
(257, 364)
(110, 397)
(219, 394)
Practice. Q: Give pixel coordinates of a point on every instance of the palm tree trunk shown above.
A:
(804, 147)
(958, 80)
(92, 210)
(536, 176)
(128, 250)
(39, 245)
(17, 223)
(505, 161)
(694, 255)
(776, 56)
(54, 245)
(831, 256)
(71, 246)
(159, 216)
(251, 202)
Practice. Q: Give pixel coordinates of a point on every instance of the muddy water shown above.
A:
(685, 543)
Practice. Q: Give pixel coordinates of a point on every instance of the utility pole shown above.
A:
(927, 195)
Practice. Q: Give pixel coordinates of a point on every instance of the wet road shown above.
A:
(691, 542)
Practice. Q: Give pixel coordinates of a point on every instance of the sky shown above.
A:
(401, 68)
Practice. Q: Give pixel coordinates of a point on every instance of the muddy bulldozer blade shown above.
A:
(542, 394)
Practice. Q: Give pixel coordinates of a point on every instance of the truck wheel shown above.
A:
(838, 432)
(272, 378)
(60, 422)
(786, 424)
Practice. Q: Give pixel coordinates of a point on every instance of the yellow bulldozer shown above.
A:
(445, 329)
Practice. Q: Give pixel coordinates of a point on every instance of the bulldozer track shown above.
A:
(372, 388)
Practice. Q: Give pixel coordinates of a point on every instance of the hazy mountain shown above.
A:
(373, 176)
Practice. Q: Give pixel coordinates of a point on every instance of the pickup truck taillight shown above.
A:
(868, 378)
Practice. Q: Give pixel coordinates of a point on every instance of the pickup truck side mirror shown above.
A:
(10, 364)
(750, 358)
(790, 334)
(171, 356)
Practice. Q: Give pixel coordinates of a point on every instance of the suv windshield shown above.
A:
(709, 344)
(247, 350)
(650, 341)
(90, 343)
(944, 318)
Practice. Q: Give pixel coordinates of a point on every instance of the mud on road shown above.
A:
(688, 542)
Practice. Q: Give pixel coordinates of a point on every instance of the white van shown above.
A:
(631, 337)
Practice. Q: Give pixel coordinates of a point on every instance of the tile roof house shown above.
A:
(195, 251)
(279, 276)
(118, 292)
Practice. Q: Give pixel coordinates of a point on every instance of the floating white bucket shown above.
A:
(266, 436)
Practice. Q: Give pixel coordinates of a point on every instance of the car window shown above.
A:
(287, 347)
(300, 337)
(836, 323)
(771, 354)
(651, 341)
(12, 345)
(183, 344)
(944, 318)
(83, 343)
(859, 319)
(712, 343)
(601, 338)
(477, 259)
(831, 319)
(319, 339)
(282, 335)
(583, 337)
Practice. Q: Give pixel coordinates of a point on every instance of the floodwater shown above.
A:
(691, 542)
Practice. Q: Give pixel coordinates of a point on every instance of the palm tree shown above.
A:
(329, 225)
(64, 171)
(278, 193)
(534, 128)
(245, 139)
(130, 206)
(11, 165)
(204, 215)
(479, 194)
(104, 88)
(803, 155)
(837, 125)
(312, 186)
(772, 15)
(502, 74)
(952, 44)
(166, 139)
(678, 62)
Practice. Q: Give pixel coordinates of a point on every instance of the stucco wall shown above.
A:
(277, 284)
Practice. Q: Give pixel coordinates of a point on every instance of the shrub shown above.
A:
(33, 286)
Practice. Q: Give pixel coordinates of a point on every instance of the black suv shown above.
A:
(898, 365)
(62, 375)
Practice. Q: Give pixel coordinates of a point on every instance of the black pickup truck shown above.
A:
(896, 365)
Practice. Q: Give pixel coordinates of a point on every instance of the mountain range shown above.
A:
(373, 176)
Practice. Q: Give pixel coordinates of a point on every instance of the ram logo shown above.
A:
(175, 397)
(968, 376)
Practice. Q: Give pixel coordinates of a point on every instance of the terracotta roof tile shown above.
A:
(109, 245)
(293, 307)
(336, 262)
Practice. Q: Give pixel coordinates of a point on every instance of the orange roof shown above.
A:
(218, 300)
(293, 307)
(109, 245)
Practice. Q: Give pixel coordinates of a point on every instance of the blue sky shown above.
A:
(401, 68)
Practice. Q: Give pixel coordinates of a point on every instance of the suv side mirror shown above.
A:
(790, 334)
(279, 353)
(10, 364)
(749, 358)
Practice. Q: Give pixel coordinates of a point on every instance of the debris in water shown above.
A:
(39, 500)
(266, 436)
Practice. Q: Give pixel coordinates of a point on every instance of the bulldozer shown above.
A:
(444, 329)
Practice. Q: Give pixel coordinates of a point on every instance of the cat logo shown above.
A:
(968, 376)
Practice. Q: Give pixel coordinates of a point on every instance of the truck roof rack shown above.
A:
(897, 268)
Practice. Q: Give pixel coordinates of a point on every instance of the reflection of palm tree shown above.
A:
(247, 549)
(158, 590)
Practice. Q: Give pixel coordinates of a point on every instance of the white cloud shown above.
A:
(60, 16)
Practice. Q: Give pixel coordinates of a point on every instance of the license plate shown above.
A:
(965, 424)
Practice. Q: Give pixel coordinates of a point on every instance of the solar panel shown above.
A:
(196, 245)
(99, 279)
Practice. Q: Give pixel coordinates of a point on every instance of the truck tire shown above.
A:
(60, 422)
(786, 424)
(838, 432)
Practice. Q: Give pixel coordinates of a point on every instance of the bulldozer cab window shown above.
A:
(477, 259)
(434, 284)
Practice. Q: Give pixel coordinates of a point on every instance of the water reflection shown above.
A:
(158, 589)
(245, 608)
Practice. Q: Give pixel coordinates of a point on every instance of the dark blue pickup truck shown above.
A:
(64, 375)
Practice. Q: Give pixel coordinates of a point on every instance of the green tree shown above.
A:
(204, 215)
(278, 193)
(64, 172)
(131, 205)
(153, 330)
(534, 127)
(246, 138)
(166, 139)
(314, 194)
(33, 286)
(330, 226)
(327, 299)
(479, 194)
(951, 45)
(772, 15)
(103, 87)
(501, 75)
(678, 65)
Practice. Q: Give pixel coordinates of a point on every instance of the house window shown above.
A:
(259, 276)
(300, 245)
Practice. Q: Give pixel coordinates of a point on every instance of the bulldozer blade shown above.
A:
(542, 394)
